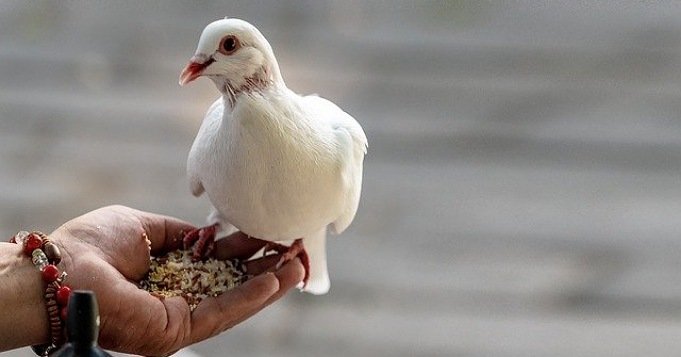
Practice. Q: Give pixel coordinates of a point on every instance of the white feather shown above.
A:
(276, 165)
(315, 245)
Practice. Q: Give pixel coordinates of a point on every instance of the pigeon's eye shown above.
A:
(228, 45)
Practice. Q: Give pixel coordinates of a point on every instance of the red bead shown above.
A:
(50, 273)
(63, 295)
(33, 242)
(63, 313)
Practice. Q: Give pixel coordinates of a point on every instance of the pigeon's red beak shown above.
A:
(193, 70)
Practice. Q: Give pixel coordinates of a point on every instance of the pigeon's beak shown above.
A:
(194, 69)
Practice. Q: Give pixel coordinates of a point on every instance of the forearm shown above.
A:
(23, 318)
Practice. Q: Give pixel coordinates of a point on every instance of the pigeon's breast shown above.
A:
(283, 180)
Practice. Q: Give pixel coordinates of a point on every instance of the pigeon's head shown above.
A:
(235, 55)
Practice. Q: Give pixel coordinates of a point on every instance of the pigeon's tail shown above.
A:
(315, 246)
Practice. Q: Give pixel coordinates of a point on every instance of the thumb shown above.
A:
(164, 232)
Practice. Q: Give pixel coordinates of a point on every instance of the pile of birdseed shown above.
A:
(175, 274)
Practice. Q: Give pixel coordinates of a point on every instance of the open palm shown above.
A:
(107, 251)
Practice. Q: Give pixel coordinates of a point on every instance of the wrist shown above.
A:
(22, 300)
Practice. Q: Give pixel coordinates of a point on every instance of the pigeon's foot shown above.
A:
(201, 241)
(296, 250)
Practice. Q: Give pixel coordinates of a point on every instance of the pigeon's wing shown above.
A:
(353, 145)
(200, 151)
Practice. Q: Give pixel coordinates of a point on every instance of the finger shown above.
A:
(289, 276)
(238, 245)
(134, 321)
(164, 232)
(216, 314)
(261, 265)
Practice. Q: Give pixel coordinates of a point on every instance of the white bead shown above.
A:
(21, 237)
(39, 259)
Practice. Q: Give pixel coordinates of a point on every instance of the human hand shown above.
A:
(107, 251)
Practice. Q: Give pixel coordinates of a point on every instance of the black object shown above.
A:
(82, 325)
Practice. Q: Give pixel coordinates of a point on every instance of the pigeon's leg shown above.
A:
(201, 240)
(296, 250)
(289, 253)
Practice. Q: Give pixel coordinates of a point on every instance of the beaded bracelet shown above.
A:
(45, 255)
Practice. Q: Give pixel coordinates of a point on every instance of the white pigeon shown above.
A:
(276, 165)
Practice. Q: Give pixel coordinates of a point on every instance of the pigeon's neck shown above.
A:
(263, 79)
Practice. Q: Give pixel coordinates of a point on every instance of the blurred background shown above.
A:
(522, 192)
